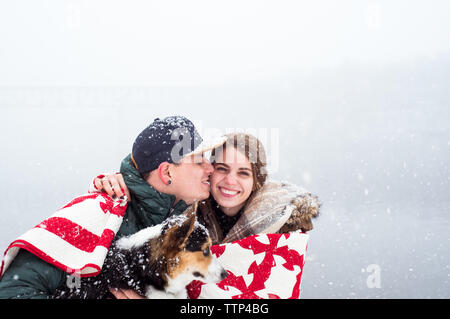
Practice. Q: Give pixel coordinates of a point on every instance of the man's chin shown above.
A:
(204, 196)
(198, 199)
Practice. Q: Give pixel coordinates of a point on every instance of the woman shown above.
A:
(242, 201)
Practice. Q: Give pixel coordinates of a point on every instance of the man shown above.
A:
(165, 173)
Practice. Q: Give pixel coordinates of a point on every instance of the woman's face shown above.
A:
(231, 181)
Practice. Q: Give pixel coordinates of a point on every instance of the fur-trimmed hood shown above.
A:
(278, 207)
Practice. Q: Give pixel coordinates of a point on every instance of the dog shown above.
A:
(156, 262)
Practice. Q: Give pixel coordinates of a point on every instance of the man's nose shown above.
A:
(207, 166)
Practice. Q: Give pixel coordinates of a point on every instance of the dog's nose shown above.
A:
(223, 274)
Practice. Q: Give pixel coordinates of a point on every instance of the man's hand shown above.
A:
(125, 294)
(113, 185)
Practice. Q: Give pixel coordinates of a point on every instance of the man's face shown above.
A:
(190, 179)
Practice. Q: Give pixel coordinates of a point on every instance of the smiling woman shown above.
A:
(239, 169)
(242, 203)
(232, 183)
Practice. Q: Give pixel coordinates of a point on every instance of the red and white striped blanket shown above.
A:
(76, 237)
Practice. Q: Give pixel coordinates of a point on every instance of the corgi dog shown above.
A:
(157, 262)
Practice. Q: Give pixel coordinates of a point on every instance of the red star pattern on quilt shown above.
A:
(261, 271)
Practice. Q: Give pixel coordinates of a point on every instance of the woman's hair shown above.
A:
(253, 149)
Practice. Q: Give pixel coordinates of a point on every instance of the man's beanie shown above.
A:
(166, 140)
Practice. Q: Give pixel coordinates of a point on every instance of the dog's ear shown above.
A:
(180, 234)
(187, 227)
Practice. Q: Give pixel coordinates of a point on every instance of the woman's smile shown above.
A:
(228, 192)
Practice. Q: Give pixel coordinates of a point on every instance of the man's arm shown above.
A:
(29, 277)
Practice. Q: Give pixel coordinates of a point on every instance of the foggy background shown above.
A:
(353, 96)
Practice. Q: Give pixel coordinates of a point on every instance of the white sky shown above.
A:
(202, 42)
(374, 149)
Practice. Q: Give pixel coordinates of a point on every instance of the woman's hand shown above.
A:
(125, 294)
(113, 185)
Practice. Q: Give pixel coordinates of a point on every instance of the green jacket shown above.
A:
(30, 277)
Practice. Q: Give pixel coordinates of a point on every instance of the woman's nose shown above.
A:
(230, 179)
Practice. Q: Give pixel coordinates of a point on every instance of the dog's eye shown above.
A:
(206, 252)
(197, 274)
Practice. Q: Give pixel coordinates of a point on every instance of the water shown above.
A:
(410, 252)
(372, 143)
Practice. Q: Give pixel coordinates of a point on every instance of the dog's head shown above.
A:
(184, 245)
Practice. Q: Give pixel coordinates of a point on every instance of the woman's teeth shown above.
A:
(228, 192)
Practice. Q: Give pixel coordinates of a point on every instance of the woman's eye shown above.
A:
(221, 169)
(244, 174)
